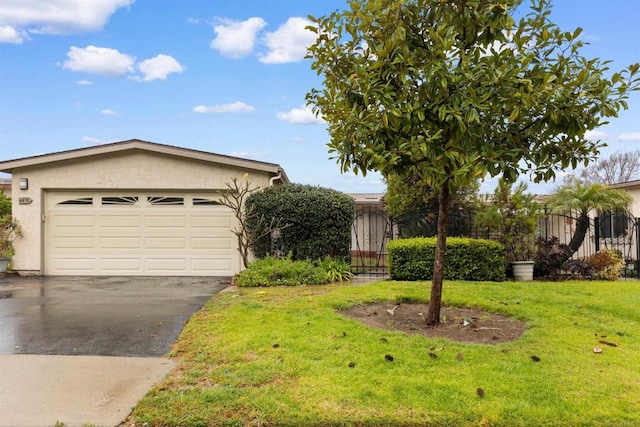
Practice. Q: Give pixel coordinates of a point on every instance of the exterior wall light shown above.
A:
(23, 184)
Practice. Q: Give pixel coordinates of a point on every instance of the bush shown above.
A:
(335, 270)
(579, 268)
(466, 259)
(10, 230)
(316, 222)
(5, 206)
(549, 257)
(607, 265)
(272, 271)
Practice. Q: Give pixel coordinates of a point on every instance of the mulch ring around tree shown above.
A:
(470, 325)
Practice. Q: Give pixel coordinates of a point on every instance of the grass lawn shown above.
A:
(281, 356)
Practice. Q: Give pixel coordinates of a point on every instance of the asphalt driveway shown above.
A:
(98, 316)
(84, 350)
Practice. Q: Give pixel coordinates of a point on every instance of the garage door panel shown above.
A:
(168, 233)
(166, 243)
(120, 265)
(218, 233)
(67, 231)
(75, 221)
(120, 243)
(119, 233)
(74, 242)
(213, 221)
(211, 243)
(120, 221)
(213, 267)
(74, 265)
(166, 221)
(165, 265)
(138, 236)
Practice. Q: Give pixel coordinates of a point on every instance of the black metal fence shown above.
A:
(373, 228)
(617, 232)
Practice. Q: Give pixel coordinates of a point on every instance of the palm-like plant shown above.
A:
(579, 198)
(9, 230)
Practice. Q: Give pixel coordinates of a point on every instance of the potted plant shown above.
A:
(511, 217)
(9, 230)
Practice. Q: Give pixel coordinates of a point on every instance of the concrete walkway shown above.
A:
(75, 390)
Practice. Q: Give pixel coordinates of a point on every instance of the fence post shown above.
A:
(596, 232)
(637, 263)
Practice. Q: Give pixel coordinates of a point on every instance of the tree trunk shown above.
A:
(435, 300)
(582, 226)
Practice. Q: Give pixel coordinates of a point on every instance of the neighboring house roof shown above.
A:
(367, 198)
(136, 144)
(625, 185)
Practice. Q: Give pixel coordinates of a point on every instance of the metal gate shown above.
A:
(620, 233)
(372, 228)
(616, 231)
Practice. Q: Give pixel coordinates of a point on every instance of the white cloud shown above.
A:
(191, 20)
(108, 112)
(112, 63)
(99, 60)
(92, 140)
(236, 39)
(301, 116)
(633, 136)
(289, 42)
(234, 107)
(159, 67)
(595, 135)
(57, 16)
(84, 82)
(8, 34)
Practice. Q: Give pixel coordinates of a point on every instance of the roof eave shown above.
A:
(118, 147)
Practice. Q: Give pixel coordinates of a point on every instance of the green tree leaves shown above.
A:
(452, 90)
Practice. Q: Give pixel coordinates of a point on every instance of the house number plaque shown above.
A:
(25, 200)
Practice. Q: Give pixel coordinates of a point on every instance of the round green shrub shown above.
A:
(315, 222)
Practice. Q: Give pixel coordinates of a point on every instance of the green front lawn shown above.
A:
(282, 356)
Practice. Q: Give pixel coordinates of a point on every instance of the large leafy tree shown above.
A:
(453, 90)
(579, 199)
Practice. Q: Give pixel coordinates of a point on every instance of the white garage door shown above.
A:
(139, 233)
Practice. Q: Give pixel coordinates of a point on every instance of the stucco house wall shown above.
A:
(633, 188)
(129, 165)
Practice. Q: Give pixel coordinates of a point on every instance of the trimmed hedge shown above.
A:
(466, 259)
(316, 222)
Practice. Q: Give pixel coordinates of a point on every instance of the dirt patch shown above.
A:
(457, 324)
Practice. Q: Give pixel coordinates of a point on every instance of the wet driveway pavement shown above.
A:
(98, 316)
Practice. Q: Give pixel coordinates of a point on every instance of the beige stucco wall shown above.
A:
(135, 170)
(634, 192)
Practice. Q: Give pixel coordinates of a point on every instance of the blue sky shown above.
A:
(225, 76)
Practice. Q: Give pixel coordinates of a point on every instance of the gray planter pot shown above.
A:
(523, 270)
(4, 263)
